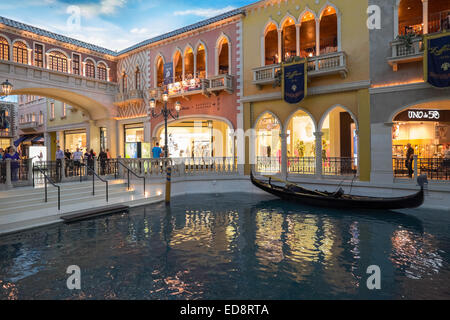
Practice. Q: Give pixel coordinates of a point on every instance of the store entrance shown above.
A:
(198, 138)
(75, 139)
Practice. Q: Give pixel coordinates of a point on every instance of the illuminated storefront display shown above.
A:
(74, 140)
(184, 86)
(428, 132)
(134, 133)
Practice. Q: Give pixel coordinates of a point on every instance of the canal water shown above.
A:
(233, 246)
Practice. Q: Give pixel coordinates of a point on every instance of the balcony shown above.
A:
(323, 65)
(403, 52)
(30, 126)
(223, 82)
(129, 97)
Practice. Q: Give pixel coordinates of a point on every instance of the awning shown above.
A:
(38, 139)
(19, 141)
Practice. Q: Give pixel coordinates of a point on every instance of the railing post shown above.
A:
(63, 170)
(30, 172)
(8, 174)
(416, 166)
(283, 170)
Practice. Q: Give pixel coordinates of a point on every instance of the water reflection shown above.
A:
(227, 247)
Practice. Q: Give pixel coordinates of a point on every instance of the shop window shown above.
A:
(289, 36)
(271, 44)
(90, 69)
(102, 72)
(201, 62)
(189, 64)
(39, 55)
(328, 31)
(300, 136)
(223, 56)
(4, 49)
(57, 61)
(75, 139)
(20, 52)
(268, 144)
(308, 35)
(410, 17)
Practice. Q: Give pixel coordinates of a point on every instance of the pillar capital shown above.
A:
(318, 134)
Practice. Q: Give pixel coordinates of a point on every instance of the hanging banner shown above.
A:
(168, 73)
(437, 60)
(294, 81)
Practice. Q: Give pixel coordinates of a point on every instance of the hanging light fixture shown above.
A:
(6, 88)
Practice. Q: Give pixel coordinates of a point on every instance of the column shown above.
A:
(425, 16)
(280, 58)
(284, 169)
(195, 64)
(318, 136)
(30, 62)
(8, 174)
(381, 145)
(107, 74)
(317, 37)
(297, 34)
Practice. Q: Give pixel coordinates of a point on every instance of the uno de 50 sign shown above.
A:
(431, 115)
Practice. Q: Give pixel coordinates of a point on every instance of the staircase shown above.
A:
(25, 208)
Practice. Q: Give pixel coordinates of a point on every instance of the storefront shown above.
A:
(75, 139)
(198, 139)
(428, 132)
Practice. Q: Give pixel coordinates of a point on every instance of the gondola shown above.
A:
(339, 199)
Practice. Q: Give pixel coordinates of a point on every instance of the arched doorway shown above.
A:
(301, 144)
(426, 128)
(159, 72)
(289, 36)
(198, 138)
(328, 31)
(223, 56)
(189, 64)
(308, 35)
(339, 143)
(271, 44)
(268, 144)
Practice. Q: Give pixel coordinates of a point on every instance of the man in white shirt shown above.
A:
(77, 156)
(59, 158)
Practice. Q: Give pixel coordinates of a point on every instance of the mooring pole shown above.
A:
(168, 184)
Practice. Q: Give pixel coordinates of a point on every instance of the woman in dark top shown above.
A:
(15, 165)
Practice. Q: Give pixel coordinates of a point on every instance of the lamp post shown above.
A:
(6, 88)
(165, 112)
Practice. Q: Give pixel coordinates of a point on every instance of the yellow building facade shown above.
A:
(328, 132)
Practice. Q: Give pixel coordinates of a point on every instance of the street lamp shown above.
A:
(165, 112)
(6, 88)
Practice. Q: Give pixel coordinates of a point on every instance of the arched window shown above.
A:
(438, 15)
(289, 36)
(328, 31)
(124, 82)
(268, 144)
(178, 66)
(201, 62)
(137, 78)
(410, 17)
(57, 61)
(189, 64)
(308, 35)
(90, 69)
(20, 52)
(271, 44)
(160, 72)
(223, 56)
(4, 49)
(102, 71)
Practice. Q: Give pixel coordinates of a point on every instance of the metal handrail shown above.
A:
(45, 183)
(129, 170)
(94, 174)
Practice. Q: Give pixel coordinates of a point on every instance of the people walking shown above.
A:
(409, 160)
(15, 164)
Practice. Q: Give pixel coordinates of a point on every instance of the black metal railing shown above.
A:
(94, 175)
(129, 170)
(304, 165)
(106, 167)
(434, 168)
(47, 179)
(52, 169)
(339, 166)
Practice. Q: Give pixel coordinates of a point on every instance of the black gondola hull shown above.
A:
(356, 202)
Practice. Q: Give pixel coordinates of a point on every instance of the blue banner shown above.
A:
(437, 60)
(168, 73)
(294, 82)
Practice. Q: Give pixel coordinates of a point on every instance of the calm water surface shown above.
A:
(235, 246)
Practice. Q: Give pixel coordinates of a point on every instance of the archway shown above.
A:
(410, 17)
(308, 35)
(223, 56)
(438, 13)
(198, 137)
(271, 44)
(339, 142)
(301, 143)
(289, 36)
(159, 72)
(426, 127)
(328, 31)
(201, 62)
(268, 144)
(178, 66)
(189, 64)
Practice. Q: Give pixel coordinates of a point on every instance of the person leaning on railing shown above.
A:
(14, 157)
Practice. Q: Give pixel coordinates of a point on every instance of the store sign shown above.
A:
(437, 60)
(294, 81)
(168, 73)
(424, 115)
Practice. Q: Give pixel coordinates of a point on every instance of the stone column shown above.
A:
(318, 136)
(284, 169)
(381, 145)
(317, 37)
(297, 34)
(8, 174)
(280, 39)
(425, 16)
